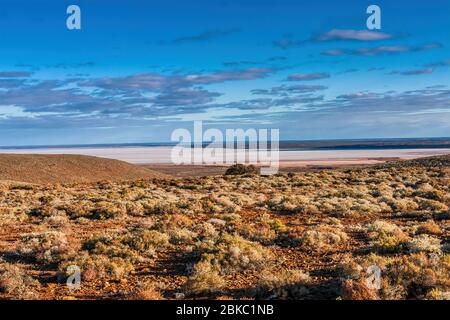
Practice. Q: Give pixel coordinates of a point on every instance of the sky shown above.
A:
(138, 70)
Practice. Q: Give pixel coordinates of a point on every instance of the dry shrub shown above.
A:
(159, 207)
(114, 255)
(386, 237)
(116, 245)
(80, 209)
(11, 216)
(292, 204)
(15, 282)
(265, 230)
(49, 246)
(262, 233)
(340, 207)
(232, 253)
(57, 221)
(357, 290)
(177, 228)
(43, 211)
(322, 238)
(147, 241)
(180, 221)
(429, 227)
(178, 209)
(439, 294)
(283, 284)
(181, 235)
(432, 205)
(135, 209)
(146, 291)
(420, 273)
(94, 266)
(241, 169)
(207, 230)
(204, 280)
(401, 204)
(427, 191)
(414, 276)
(424, 243)
(228, 205)
(106, 210)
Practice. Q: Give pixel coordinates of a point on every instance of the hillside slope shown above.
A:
(435, 161)
(35, 168)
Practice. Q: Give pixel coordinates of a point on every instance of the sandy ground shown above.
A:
(162, 155)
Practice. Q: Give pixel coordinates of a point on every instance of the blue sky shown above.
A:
(137, 70)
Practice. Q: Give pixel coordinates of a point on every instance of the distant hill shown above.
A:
(36, 168)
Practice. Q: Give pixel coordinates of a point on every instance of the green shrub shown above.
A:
(241, 169)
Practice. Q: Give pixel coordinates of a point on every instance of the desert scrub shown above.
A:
(227, 204)
(177, 228)
(107, 210)
(94, 266)
(119, 246)
(260, 232)
(357, 290)
(427, 191)
(366, 206)
(209, 205)
(16, 283)
(159, 207)
(11, 216)
(43, 211)
(49, 246)
(429, 227)
(322, 238)
(147, 241)
(232, 253)
(180, 220)
(340, 207)
(204, 280)
(147, 290)
(432, 205)
(265, 230)
(107, 256)
(292, 204)
(79, 209)
(386, 237)
(415, 276)
(57, 221)
(208, 230)
(241, 169)
(179, 236)
(205, 283)
(165, 222)
(135, 209)
(285, 284)
(424, 243)
(401, 204)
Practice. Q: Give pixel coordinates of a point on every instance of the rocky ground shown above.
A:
(307, 235)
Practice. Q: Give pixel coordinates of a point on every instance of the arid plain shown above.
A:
(312, 234)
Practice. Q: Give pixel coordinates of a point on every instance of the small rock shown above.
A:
(179, 295)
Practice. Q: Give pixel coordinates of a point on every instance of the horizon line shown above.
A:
(171, 143)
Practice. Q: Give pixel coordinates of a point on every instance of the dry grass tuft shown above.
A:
(16, 283)
(285, 284)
